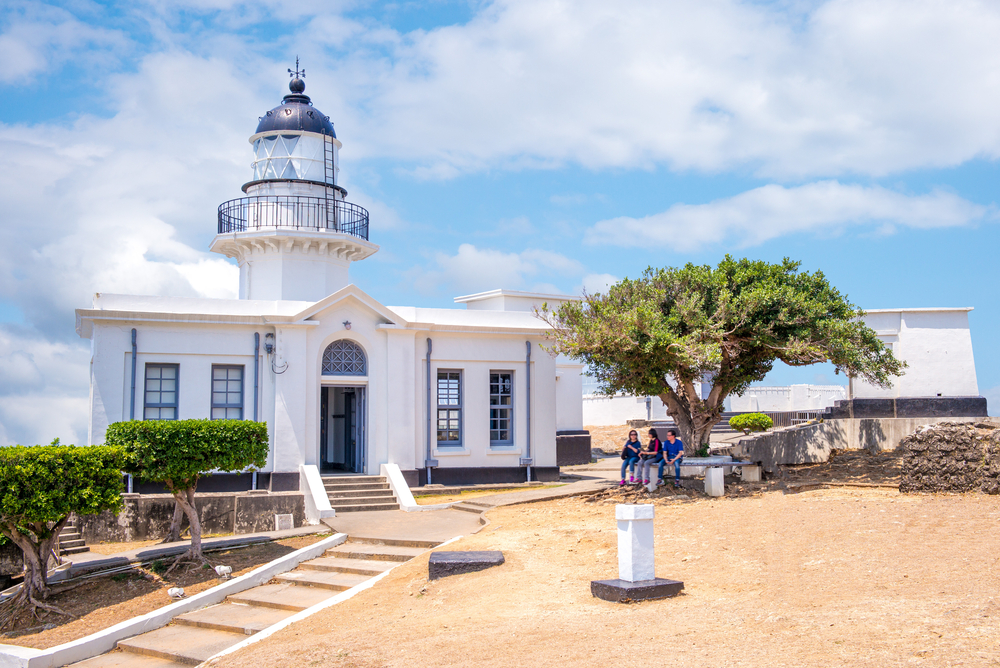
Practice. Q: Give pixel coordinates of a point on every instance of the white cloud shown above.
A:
(38, 37)
(474, 269)
(40, 389)
(771, 211)
(849, 86)
(594, 283)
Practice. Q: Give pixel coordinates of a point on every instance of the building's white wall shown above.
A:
(569, 390)
(599, 410)
(294, 274)
(194, 347)
(476, 355)
(788, 398)
(937, 345)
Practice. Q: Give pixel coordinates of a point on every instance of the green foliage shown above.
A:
(45, 483)
(178, 452)
(751, 422)
(731, 322)
(159, 567)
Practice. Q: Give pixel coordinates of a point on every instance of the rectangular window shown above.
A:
(449, 399)
(160, 396)
(501, 407)
(227, 392)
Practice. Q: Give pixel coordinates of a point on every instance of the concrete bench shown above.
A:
(715, 470)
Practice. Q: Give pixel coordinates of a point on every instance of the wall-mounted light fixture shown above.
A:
(269, 343)
(347, 324)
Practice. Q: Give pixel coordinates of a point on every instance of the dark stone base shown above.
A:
(908, 407)
(622, 591)
(481, 475)
(443, 564)
(572, 447)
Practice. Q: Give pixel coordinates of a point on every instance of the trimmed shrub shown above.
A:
(177, 453)
(748, 422)
(40, 486)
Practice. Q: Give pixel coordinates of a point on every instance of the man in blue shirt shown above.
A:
(673, 453)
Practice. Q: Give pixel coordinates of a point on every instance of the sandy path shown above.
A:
(845, 577)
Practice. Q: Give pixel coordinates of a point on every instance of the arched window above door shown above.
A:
(344, 358)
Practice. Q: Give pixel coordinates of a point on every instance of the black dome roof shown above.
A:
(296, 113)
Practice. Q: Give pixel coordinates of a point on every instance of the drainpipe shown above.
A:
(131, 410)
(428, 462)
(256, 374)
(131, 407)
(527, 364)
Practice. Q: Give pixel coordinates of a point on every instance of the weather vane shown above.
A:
(297, 74)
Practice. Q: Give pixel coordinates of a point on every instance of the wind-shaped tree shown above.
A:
(729, 324)
(40, 486)
(177, 453)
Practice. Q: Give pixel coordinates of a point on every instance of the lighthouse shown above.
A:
(294, 235)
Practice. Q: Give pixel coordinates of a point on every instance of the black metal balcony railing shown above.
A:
(293, 211)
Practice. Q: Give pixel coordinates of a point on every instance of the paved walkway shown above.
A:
(397, 525)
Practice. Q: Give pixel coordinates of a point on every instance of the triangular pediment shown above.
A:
(351, 294)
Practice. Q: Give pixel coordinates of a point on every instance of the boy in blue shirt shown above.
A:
(673, 453)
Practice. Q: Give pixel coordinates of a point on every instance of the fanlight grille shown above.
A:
(344, 358)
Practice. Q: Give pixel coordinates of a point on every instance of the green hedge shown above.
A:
(45, 483)
(178, 452)
(751, 422)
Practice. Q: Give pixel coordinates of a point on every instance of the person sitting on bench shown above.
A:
(673, 453)
(650, 455)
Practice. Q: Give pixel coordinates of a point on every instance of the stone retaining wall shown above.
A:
(147, 516)
(812, 443)
(952, 457)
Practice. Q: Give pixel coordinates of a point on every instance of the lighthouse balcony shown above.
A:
(264, 212)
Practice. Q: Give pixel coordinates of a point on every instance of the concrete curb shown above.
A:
(309, 612)
(104, 641)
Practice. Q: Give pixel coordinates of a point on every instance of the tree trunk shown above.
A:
(37, 552)
(175, 524)
(184, 498)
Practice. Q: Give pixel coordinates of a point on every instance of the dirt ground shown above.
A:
(104, 601)
(611, 439)
(844, 576)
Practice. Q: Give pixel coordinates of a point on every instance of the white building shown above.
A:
(936, 343)
(345, 383)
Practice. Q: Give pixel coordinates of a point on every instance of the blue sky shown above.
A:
(527, 144)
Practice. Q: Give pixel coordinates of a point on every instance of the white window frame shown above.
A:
(146, 406)
(502, 443)
(459, 408)
(226, 407)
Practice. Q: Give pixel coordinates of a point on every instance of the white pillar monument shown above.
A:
(637, 579)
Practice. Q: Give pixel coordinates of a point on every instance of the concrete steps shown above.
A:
(71, 540)
(235, 618)
(375, 552)
(120, 659)
(190, 645)
(349, 494)
(323, 579)
(196, 636)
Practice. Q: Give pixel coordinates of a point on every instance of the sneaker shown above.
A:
(660, 482)
(645, 482)
(631, 479)
(622, 483)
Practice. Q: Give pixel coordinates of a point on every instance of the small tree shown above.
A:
(176, 453)
(40, 486)
(730, 324)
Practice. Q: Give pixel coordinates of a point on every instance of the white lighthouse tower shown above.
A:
(294, 235)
